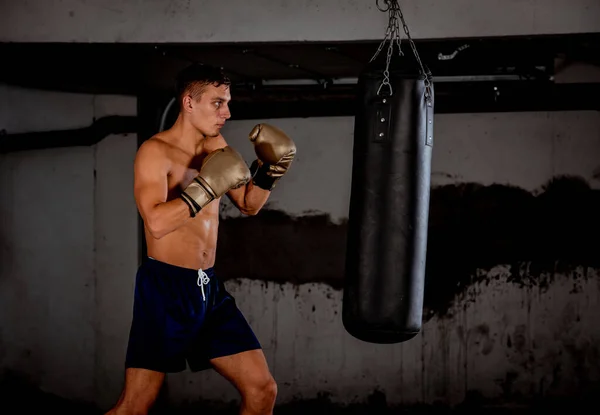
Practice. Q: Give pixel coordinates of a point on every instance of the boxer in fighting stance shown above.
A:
(182, 312)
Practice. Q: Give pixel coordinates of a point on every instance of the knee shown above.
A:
(270, 390)
(263, 393)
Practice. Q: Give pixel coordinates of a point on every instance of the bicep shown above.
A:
(150, 178)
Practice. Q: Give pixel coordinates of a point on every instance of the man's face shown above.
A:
(210, 111)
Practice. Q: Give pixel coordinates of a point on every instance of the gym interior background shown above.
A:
(512, 289)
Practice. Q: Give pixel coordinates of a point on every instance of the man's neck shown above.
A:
(188, 138)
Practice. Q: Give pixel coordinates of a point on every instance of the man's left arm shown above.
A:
(275, 152)
(249, 199)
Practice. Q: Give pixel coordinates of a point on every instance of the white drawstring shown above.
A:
(202, 280)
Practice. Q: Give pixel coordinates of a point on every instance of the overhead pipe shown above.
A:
(87, 136)
(318, 77)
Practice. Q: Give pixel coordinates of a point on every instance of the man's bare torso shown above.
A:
(194, 244)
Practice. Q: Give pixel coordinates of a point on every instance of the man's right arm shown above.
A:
(151, 168)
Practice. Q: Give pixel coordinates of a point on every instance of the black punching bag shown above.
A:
(389, 204)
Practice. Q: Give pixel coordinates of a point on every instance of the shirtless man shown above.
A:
(182, 312)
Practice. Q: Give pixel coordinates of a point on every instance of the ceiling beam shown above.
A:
(450, 98)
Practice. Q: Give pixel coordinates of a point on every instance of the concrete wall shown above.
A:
(69, 247)
(281, 20)
(512, 286)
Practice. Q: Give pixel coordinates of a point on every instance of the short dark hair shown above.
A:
(196, 77)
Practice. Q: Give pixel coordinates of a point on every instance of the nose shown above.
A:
(226, 113)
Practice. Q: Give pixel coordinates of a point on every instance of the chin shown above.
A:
(213, 133)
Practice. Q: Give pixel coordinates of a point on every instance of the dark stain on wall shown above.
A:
(537, 235)
(480, 339)
(274, 246)
(471, 227)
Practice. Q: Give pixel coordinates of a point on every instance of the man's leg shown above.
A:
(139, 392)
(153, 349)
(249, 373)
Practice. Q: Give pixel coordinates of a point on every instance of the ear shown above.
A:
(187, 102)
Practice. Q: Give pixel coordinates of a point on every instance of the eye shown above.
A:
(218, 104)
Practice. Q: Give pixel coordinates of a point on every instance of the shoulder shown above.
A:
(153, 151)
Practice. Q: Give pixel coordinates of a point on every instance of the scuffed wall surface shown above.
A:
(501, 342)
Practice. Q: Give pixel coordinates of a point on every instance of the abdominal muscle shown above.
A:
(194, 245)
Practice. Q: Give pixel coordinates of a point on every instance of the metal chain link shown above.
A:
(392, 34)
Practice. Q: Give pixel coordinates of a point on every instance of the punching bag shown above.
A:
(389, 204)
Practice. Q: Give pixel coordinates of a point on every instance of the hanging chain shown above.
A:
(393, 35)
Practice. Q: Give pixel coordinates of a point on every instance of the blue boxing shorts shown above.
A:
(183, 315)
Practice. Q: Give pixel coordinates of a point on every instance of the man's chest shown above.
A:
(185, 167)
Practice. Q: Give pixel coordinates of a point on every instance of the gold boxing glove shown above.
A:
(222, 170)
(275, 152)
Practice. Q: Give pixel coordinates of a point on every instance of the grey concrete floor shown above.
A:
(19, 398)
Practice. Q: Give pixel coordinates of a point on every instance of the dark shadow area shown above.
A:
(20, 397)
